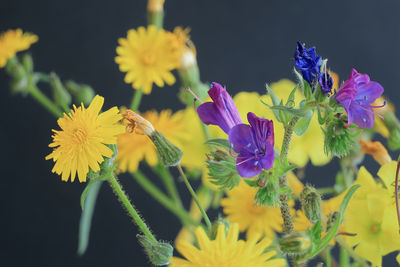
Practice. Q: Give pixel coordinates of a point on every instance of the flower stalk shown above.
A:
(285, 210)
(169, 183)
(351, 252)
(119, 192)
(137, 97)
(194, 196)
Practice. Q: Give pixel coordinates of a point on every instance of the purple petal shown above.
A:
(263, 130)
(368, 93)
(268, 159)
(359, 78)
(241, 139)
(361, 115)
(248, 166)
(209, 114)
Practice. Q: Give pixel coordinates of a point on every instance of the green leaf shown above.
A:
(271, 93)
(307, 91)
(332, 232)
(315, 232)
(301, 112)
(299, 79)
(302, 125)
(219, 142)
(87, 214)
(290, 101)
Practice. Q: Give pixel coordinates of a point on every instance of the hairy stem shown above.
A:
(195, 198)
(286, 216)
(169, 183)
(150, 188)
(119, 192)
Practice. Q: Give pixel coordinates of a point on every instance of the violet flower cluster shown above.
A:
(356, 96)
(254, 143)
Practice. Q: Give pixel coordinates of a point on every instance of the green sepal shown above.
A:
(218, 142)
(300, 80)
(307, 91)
(61, 95)
(272, 95)
(269, 193)
(319, 245)
(302, 125)
(290, 101)
(158, 252)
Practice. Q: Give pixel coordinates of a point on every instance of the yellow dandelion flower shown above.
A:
(13, 41)
(226, 251)
(81, 142)
(239, 207)
(147, 56)
(134, 147)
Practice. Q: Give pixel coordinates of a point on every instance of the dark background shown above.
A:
(242, 44)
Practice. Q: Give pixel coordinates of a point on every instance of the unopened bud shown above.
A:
(338, 139)
(27, 62)
(295, 244)
(332, 218)
(216, 224)
(311, 203)
(158, 252)
(60, 94)
(82, 93)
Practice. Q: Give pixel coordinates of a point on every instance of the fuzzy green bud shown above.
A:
(311, 203)
(222, 170)
(27, 62)
(216, 224)
(268, 191)
(170, 155)
(295, 244)
(60, 95)
(158, 252)
(332, 218)
(338, 139)
(82, 93)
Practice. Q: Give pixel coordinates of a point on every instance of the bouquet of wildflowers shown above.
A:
(248, 152)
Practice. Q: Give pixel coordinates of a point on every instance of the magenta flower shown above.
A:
(356, 96)
(254, 144)
(222, 111)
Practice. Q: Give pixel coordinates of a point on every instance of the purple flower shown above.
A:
(308, 62)
(326, 82)
(356, 96)
(254, 145)
(222, 111)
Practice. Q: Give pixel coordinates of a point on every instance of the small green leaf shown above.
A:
(300, 79)
(301, 112)
(307, 91)
(290, 102)
(271, 93)
(315, 232)
(219, 142)
(302, 125)
(87, 214)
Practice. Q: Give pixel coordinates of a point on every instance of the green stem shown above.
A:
(344, 258)
(163, 199)
(326, 190)
(137, 97)
(328, 257)
(351, 252)
(285, 210)
(129, 207)
(194, 196)
(44, 101)
(169, 183)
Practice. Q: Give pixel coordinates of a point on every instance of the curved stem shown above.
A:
(137, 97)
(150, 188)
(351, 252)
(396, 192)
(44, 101)
(194, 196)
(119, 192)
(169, 183)
(285, 211)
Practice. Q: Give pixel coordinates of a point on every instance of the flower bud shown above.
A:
(332, 217)
(60, 95)
(295, 244)
(82, 93)
(216, 224)
(27, 62)
(222, 170)
(170, 155)
(338, 139)
(158, 252)
(311, 203)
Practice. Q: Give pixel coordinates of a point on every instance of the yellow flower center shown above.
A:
(79, 135)
(148, 58)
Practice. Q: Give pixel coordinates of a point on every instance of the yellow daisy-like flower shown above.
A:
(226, 251)
(133, 147)
(13, 41)
(81, 142)
(239, 207)
(147, 56)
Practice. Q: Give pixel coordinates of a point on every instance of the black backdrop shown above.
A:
(242, 44)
